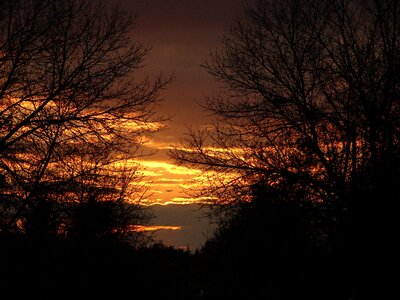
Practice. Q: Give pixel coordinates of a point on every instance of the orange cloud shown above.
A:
(177, 201)
(168, 167)
(141, 228)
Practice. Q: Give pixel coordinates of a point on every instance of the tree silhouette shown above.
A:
(74, 111)
(104, 209)
(271, 243)
(71, 103)
(310, 99)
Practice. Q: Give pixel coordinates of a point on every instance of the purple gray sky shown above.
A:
(181, 33)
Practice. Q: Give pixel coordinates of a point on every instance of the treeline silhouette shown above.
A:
(67, 247)
(274, 246)
(307, 110)
(302, 162)
(73, 114)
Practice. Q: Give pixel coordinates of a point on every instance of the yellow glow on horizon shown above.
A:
(169, 167)
(142, 228)
(167, 180)
(140, 125)
(178, 201)
(158, 145)
(168, 184)
(149, 173)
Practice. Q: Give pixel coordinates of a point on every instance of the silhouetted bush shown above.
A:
(273, 247)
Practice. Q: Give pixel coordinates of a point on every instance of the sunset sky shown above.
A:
(181, 33)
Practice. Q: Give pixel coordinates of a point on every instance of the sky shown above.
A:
(181, 34)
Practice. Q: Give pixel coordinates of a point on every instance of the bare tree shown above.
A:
(107, 205)
(67, 89)
(310, 98)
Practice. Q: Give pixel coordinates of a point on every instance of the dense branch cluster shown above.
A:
(310, 105)
(71, 109)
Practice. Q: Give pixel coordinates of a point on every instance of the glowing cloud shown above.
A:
(141, 228)
(168, 167)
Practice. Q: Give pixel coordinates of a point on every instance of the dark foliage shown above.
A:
(274, 248)
(93, 268)
(310, 102)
